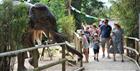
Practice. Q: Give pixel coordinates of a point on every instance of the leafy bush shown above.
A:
(126, 12)
(57, 7)
(67, 25)
(19, 22)
(13, 22)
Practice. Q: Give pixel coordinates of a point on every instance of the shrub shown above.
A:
(67, 25)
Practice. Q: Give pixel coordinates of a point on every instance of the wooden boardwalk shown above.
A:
(106, 64)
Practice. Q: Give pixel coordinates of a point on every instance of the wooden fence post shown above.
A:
(139, 30)
(126, 43)
(139, 46)
(139, 34)
(138, 60)
(81, 61)
(63, 56)
(136, 47)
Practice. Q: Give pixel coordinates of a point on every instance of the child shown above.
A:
(96, 46)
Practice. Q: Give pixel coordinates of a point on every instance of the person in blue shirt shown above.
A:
(105, 31)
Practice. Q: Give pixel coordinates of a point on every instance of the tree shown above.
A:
(58, 9)
(90, 7)
(68, 26)
(126, 11)
(13, 22)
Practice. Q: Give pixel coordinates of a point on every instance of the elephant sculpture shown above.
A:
(41, 19)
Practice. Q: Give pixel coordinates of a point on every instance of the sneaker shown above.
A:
(97, 59)
(114, 60)
(103, 56)
(108, 57)
(86, 61)
(94, 58)
(122, 60)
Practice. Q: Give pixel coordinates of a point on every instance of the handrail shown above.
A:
(77, 35)
(27, 49)
(67, 43)
(134, 61)
(137, 53)
(132, 50)
(74, 50)
(16, 52)
(133, 38)
(78, 40)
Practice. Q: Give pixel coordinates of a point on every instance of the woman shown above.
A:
(117, 39)
(85, 46)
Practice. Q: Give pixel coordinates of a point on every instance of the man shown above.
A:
(105, 31)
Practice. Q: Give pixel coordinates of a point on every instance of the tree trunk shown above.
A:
(68, 8)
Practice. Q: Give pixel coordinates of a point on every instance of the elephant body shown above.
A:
(40, 19)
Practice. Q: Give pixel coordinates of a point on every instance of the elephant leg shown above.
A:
(34, 58)
(31, 57)
(21, 58)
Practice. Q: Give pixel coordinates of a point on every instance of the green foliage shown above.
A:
(34, 1)
(126, 11)
(19, 22)
(13, 22)
(90, 7)
(57, 7)
(67, 25)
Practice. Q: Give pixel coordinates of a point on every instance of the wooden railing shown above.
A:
(132, 46)
(63, 60)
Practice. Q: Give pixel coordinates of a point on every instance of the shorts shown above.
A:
(105, 41)
(96, 51)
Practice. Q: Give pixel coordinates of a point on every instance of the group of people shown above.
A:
(111, 39)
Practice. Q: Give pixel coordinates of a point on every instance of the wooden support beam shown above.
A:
(49, 65)
(63, 56)
(139, 25)
(81, 47)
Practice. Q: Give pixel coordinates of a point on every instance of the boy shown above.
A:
(96, 46)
